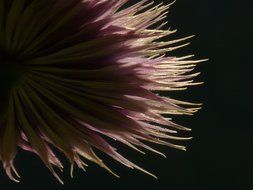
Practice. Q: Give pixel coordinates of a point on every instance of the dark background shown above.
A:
(221, 155)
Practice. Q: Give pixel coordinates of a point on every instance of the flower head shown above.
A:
(77, 72)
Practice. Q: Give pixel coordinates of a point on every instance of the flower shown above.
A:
(77, 72)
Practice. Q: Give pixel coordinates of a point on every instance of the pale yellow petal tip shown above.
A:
(110, 171)
(15, 180)
(155, 177)
(71, 170)
(187, 129)
(117, 176)
(15, 171)
(152, 175)
(203, 60)
(9, 171)
(61, 182)
(172, 3)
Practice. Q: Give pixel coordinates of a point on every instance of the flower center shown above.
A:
(11, 70)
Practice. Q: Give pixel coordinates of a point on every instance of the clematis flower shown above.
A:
(76, 73)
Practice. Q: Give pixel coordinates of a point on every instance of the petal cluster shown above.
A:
(92, 71)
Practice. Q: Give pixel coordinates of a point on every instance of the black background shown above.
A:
(220, 155)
